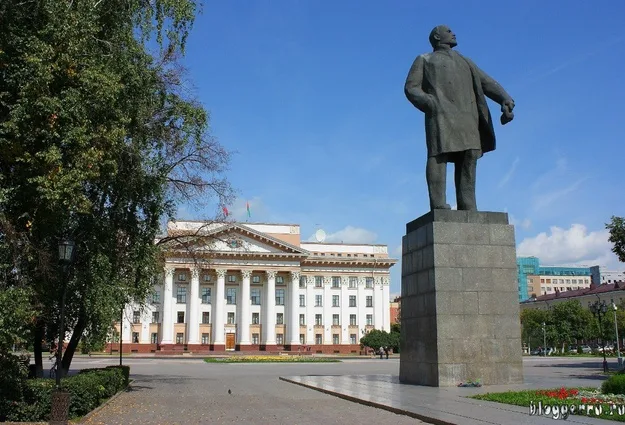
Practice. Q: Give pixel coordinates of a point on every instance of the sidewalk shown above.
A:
(448, 406)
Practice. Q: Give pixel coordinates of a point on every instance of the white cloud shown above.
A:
(526, 223)
(575, 247)
(349, 234)
(510, 172)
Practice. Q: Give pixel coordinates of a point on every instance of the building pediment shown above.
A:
(235, 238)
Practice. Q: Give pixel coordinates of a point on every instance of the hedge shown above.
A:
(87, 391)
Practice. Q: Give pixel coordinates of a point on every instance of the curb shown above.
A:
(395, 410)
(103, 405)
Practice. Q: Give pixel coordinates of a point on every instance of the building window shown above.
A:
(318, 281)
(318, 319)
(207, 278)
(279, 280)
(352, 320)
(279, 339)
(352, 338)
(135, 337)
(302, 339)
(182, 277)
(255, 296)
(302, 300)
(352, 300)
(206, 295)
(181, 294)
(181, 317)
(302, 319)
(206, 339)
(279, 318)
(136, 317)
(302, 281)
(255, 318)
(335, 339)
(336, 282)
(231, 318)
(279, 296)
(154, 338)
(335, 320)
(231, 296)
(232, 278)
(318, 300)
(155, 316)
(369, 282)
(369, 319)
(369, 301)
(156, 297)
(179, 338)
(335, 301)
(256, 279)
(353, 282)
(205, 317)
(318, 339)
(255, 339)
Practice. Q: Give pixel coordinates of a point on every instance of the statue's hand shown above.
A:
(507, 106)
(506, 111)
(431, 104)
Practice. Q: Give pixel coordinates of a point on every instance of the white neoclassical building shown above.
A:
(253, 286)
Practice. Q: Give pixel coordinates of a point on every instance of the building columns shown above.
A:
(219, 308)
(245, 318)
(344, 317)
(293, 321)
(193, 328)
(269, 319)
(168, 324)
(327, 310)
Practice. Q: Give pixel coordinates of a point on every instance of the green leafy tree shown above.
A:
(570, 320)
(99, 141)
(617, 236)
(532, 326)
(375, 339)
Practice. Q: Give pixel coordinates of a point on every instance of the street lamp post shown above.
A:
(618, 350)
(60, 399)
(544, 340)
(599, 309)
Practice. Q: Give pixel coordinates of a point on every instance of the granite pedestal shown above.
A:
(459, 300)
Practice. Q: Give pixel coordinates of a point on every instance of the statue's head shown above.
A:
(442, 34)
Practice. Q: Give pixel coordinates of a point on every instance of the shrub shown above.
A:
(125, 371)
(13, 375)
(614, 385)
(87, 390)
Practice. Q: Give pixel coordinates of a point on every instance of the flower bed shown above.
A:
(270, 359)
(595, 403)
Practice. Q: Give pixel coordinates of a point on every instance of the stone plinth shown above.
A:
(459, 300)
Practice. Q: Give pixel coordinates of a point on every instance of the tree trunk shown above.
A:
(38, 352)
(68, 355)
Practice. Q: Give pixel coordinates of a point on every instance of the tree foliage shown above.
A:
(99, 141)
(569, 323)
(617, 236)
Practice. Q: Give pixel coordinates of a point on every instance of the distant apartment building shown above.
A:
(536, 280)
(395, 308)
(601, 277)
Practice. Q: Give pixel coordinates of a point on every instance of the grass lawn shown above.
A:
(270, 359)
(564, 398)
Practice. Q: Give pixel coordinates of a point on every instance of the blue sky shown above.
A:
(310, 95)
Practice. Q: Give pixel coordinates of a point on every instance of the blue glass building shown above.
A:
(531, 266)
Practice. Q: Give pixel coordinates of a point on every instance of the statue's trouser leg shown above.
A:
(464, 169)
(436, 176)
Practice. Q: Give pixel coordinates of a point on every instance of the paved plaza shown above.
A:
(190, 391)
